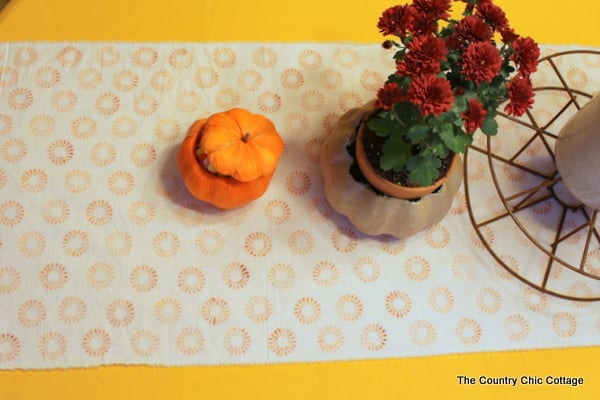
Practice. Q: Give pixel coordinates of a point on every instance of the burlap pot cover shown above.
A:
(371, 213)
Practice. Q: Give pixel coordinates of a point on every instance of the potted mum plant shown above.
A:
(451, 78)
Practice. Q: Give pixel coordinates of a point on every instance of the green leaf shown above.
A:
(382, 127)
(416, 133)
(490, 126)
(456, 140)
(395, 154)
(424, 169)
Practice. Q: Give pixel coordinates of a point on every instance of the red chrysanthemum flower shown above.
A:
(432, 95)
(473, 29)
(493, 15)
(481, 62)
(474, 116)
(508, 35)
(389, 94)
(422, 24)
(520, 96)
(423, 56)
(526, 55)
(396, 20)
(436, 9)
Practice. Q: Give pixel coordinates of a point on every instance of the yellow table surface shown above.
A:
(552, 22)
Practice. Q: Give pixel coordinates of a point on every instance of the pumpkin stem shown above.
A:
(246, 137)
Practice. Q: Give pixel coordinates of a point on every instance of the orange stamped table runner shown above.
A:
(105, 258)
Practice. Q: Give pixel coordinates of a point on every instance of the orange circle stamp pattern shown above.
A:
(282, 342)
(52, 346)
(344, 239)
(143, 278)
(168, 310)
(8, 76)
(236, 275)
(181, 58)
(259, 309)
(166, 244)
(60, 152)
(145, 57)
(438, 237)
(330, 338)
(107, 104)
(215, 311)
(325, 273)
(96, 343)
(72, 310)
(75, 243)
(10, 347)
(13, 150)
(103, 154)
(69, 57)
(301, 242)
(307, 310)
(31, 313)
(189, 101)
(124, 127)
(162, 81)
(120, 313)
(32, 244)
(564, 325)
(310, 59)
(210, 242)
(11, 213)
(190, 341)
(468, 331)
(277, 212)
(291, 78)
(10, 280)
(145, 343)
(89, 78)
(296, 123)
(34, 180)
(282, 276)
(258, 244)
(489, 300)
(143, 155)
(237, 341)
(125, 80)
(398, 304)
(47, 77)
(121, 183)
(373, 337)
(516, 327)
(118, 244)
(145, 105)
(5, 124)
(100, 275)
(269, 102)
(367, 269)
(264, 57)
(224, 57)
(332, 79)
(417, 268)
(422, 333)
(206, 77)
(84, 127)
(25, 56)
(226, 98)
(191, 280)
(349, 308)
(53, 276)
(312, 100)
(64, 101)
(141, 212)
(298, 183)
(441, 300)
(20, 98)
(250, 80)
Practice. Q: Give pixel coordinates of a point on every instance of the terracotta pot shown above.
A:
(388, 187)
(368, 211)
(576, 151)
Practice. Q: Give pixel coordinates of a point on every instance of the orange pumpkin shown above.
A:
(228, 160)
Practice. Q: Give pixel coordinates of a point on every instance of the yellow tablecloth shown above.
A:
(297, 190)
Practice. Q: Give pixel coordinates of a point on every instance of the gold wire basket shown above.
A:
(558, 236)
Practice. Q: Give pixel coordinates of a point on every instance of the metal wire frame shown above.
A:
(538, 193)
